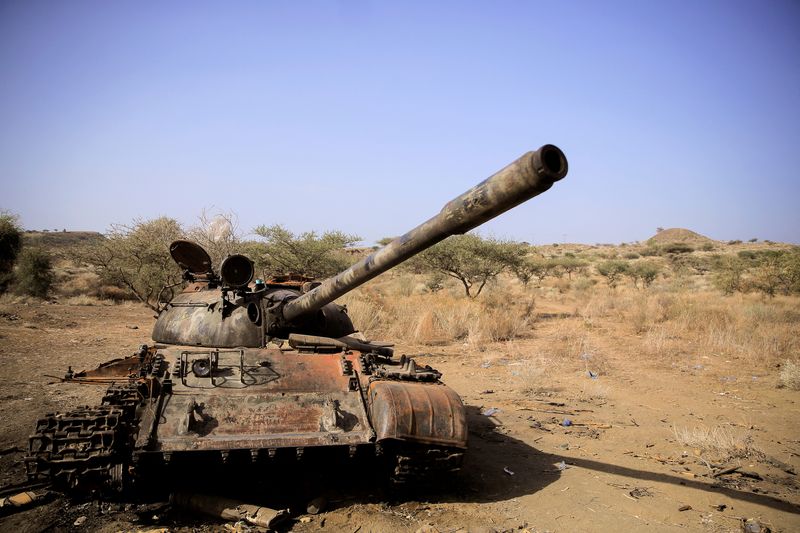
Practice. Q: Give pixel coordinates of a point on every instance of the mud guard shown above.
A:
(417, 412)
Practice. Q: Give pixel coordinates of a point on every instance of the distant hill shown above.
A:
(59, 242)
(673, 235)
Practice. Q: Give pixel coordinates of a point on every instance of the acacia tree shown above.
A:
(527, 268)
(644, 271)
(311, 254)
(137, 258)
(471, 259)
(10, 247)
(612, 270)
(571, 265)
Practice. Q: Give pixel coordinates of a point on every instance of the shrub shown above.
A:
(645, 271)
(612, 270)
(677, 248)
(34, 273)
(790, 375)
(631, 255)
(538, 268)
(10, 246)
(777, 272)
(435, 282)
(748, 255)
(583, 284)
(728, 272)
(115, 294)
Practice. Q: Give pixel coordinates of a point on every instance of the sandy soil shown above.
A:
(621, 465)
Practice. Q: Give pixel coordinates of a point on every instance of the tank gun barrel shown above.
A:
(528, 176)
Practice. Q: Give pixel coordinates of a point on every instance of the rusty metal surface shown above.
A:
(276, 399)
(417, 412)
(528, 176)
(125, 368)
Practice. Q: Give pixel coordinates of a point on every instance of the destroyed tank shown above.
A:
(254, 370)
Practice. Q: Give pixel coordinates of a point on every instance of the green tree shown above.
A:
(10, 247)
(137, 258)
(527, 268)
(728, 272)
(571, 265)
(612, 270)
(471, 259)
(777, 272)
(34, 273)
(644, 271)
(310, 254)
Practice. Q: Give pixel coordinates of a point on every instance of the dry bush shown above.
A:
(790, 375)
(741, 326)
(82, 299)
(720, 441)
(76, 281)
(115, 294)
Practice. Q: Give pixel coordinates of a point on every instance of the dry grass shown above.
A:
(672, 324)
(438, 318)
(790, 375)
(721, 442)
(662, 324)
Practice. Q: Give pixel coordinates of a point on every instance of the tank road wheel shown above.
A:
(81, 451)
(415, 463)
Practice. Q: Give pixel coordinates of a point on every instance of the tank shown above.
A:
(253, 371)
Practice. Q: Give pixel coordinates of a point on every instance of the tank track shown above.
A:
(88, 449)
(429, 464)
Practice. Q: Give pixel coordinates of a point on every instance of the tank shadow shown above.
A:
(497, 467)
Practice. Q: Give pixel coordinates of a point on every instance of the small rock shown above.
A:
(132, 327)
(305, 519)
(685, 508)
(754, 526)
(79, 522)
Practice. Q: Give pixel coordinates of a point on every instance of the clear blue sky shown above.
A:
(368, 116)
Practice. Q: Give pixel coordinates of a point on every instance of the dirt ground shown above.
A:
(626, 462)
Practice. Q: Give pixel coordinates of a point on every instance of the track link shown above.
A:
(87, 449)
(429, 464)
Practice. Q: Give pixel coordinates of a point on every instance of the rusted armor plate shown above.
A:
(418, 412)
(256, 399)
